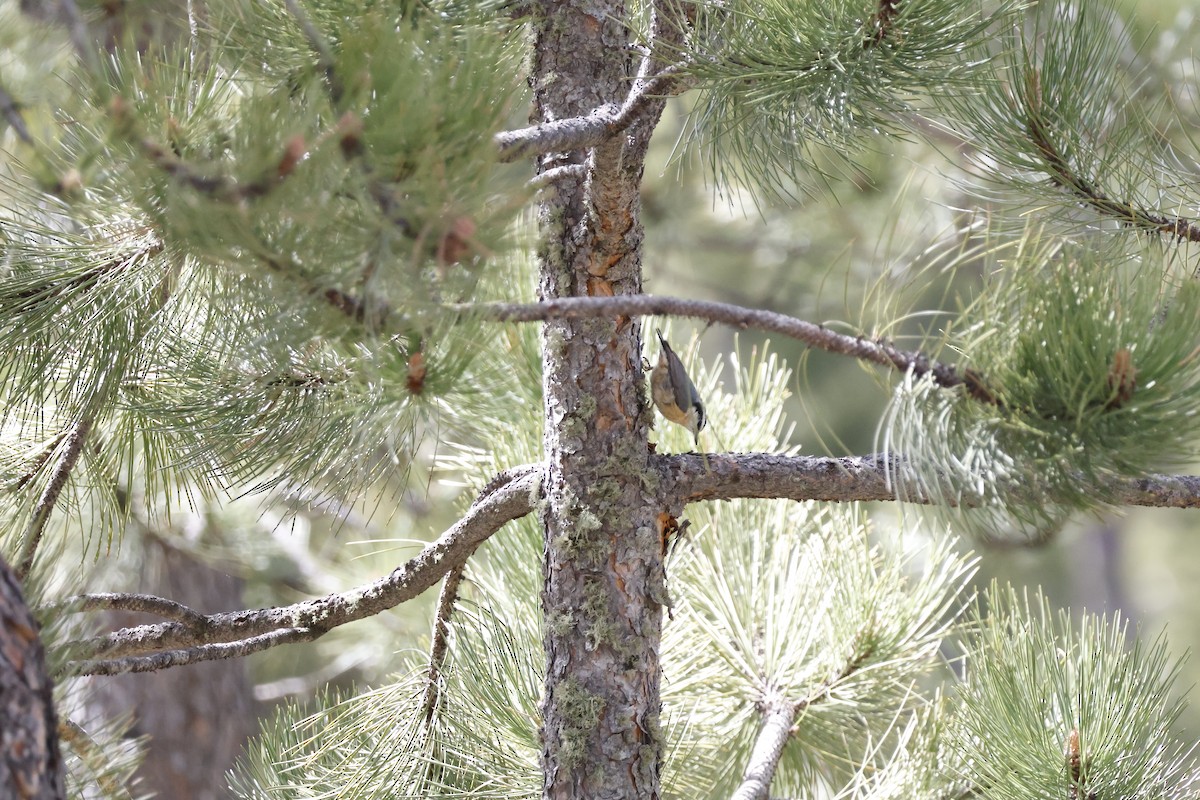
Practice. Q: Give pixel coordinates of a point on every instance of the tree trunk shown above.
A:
(603, 581)
(30, 765)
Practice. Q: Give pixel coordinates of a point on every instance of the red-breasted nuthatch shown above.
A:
(674, 393)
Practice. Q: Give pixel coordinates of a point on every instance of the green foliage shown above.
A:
(1084, 364)
(1073, 118)
(1053, 707)
(779, 77)
(798, 605)
(231, 271)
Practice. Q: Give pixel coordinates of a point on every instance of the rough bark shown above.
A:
(603, 583)
(30, 764)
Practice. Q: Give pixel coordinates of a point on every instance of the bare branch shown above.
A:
(578, 133)
(131, 601)
(72, 447)
(440, 643)
(778, 719)
(173, 643)
(194, 655)
(876, 351)
(727, 476)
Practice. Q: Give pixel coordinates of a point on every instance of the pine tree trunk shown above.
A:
(603, 579)
(30, 765)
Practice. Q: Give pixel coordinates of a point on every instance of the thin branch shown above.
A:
(131, 601)
(876, 351)
(223, 187)
(1061, 173)
(72, 447)
(359, 310)
(92, 754)
(173, 643)
(80, 37)
(440, 641)
(195, 655)
(579, 133)
(12, 112)
(321, 47)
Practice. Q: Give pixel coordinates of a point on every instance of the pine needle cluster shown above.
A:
(781, 80)
(220, 271)
(1083, 367)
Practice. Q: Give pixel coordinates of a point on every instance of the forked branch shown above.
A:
(579, 133)
(513, 494)
(150, 647)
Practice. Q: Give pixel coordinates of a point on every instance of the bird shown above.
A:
(673, 392)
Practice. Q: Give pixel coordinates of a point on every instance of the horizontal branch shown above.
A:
(694, 477)
(578, 133)
(149, 647)
(872, 350)
(729, 476)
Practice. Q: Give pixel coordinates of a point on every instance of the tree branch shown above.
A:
(73, 446)
(728, 476)
(440, 641)
(1062, 173)
(876, 351)
(778, 718)
(579, 133)
(78, 30)
(511, 495)
(221, 187)
(194, 655)
(220, 636)
(131, 601)
(321, 47)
